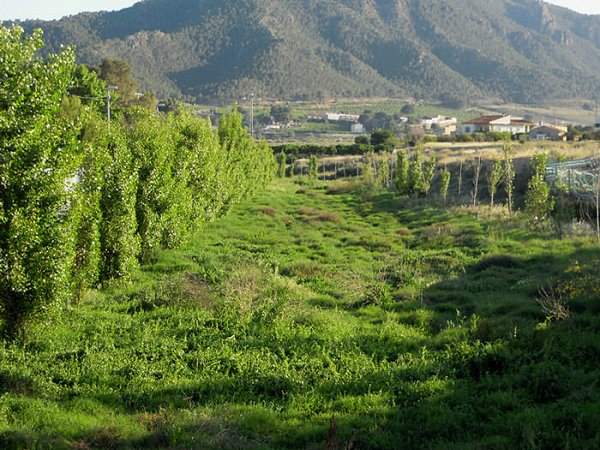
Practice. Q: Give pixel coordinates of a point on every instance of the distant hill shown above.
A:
(517, 50)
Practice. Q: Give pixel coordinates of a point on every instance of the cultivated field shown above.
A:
(326, 316)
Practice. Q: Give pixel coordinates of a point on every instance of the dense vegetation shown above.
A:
(412, 326)
(83, 200)
(454, 50)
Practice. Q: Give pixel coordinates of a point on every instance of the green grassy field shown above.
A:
(321, 316)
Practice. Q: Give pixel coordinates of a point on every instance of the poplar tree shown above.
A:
(402, 168)
(538, 201)
(39, 163)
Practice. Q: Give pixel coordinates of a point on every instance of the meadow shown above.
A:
(323, 315)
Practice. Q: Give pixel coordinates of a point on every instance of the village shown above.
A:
(344, 127)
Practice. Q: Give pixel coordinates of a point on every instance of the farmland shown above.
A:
(325, 315)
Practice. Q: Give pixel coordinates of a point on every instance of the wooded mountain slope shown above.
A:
(518, 50)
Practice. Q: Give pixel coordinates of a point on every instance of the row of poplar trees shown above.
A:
(84, 201)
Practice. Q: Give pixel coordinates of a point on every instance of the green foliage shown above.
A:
(40, 156)
(494, 178)
(282, 164)
(303, 320)
(402, 172)
(383, 171)
(508, 174)
(383, 139)
(538, 201)
(429, 169)
(85, 271)
(117, 73)
(415, 172)
(120, 243)
(82, 199)
(445, 178)
(281, 113)
(313, 167)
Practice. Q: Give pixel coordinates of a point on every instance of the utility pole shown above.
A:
(108, 102)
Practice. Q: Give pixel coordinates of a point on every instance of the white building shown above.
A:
(357, 128)
(497, 124)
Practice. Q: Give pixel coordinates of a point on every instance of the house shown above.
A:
(497, 124)
(341, 117)
(548, 133)
(440, 125)
(357, 128)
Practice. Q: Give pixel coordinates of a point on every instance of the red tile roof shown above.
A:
(483, 120)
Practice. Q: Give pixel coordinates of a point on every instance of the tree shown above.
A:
(313, 167)
(39, 161)
(415, 172)
(362, 140)
(383, 174)
(402, 167)
(538, 202)
(118, 73)
(119, 241)
(509, 174)
(445, 178)
(281, 114)
(282, 164)
(384, 139)
(494, 179)
(408, 109)
(368, 171)
(476, 175)
(428, 176)
(85, 270)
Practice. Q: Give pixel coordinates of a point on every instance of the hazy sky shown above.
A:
(54, 9)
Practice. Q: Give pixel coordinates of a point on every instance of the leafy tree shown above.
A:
(402, 171)
(39, 160)
(383, 173)
(445, 178)
(368, 171)
(362, 140)
(281, 114)
(313, 167)
(384, 139)
(538, 201)
(509, 174)
(85, 270)
(282, 164)
(415, 172)
(428, 176)
(119, 241)
(494, 179)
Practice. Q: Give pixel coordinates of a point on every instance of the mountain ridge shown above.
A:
(204, 50)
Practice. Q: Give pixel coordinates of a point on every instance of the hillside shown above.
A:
(518, 50)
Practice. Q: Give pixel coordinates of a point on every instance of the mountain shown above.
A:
(517, 50)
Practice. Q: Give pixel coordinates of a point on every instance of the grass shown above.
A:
(322, 316)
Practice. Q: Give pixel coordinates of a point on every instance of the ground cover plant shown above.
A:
(325, 316)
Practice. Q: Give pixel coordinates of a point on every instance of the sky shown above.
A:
(54, 9)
